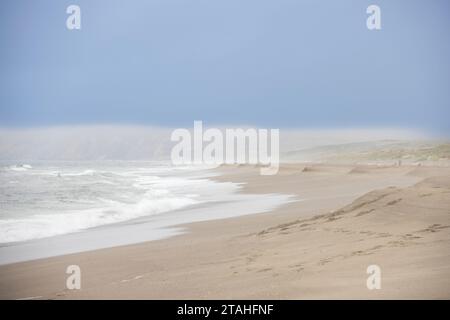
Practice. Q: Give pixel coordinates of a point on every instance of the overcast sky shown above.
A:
(272, 63)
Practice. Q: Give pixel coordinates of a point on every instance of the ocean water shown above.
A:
(51, 208)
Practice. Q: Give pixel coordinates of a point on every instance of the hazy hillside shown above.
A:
(385, 151)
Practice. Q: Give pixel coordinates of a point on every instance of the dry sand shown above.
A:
(349, 218)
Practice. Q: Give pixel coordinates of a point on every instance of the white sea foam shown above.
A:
(19, 167)
(64, 198)
(47, 225)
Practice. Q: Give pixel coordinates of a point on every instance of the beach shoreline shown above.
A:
(349, 218)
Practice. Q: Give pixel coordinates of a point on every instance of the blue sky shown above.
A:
(274, 63)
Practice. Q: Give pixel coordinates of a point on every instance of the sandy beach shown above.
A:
(319, 247)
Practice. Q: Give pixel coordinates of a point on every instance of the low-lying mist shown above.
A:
(120, 142)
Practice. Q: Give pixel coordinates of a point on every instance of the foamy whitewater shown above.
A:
(63, 207)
